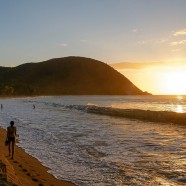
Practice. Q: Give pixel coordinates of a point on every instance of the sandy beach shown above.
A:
(24, 170)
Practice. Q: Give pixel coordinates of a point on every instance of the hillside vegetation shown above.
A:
(65, 76)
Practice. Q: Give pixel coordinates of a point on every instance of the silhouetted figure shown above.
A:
(1, 106)
(34, 107)
(11, 135)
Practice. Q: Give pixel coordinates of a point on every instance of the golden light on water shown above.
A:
(179, 97)
(179, 108)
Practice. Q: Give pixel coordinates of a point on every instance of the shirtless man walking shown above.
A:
(11, 134)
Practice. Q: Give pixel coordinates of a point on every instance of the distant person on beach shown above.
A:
(1, 106)
(34, 107)
(11, 134)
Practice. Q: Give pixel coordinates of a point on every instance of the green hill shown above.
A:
(65, 76)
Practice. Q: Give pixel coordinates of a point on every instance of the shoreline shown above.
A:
(25, 169)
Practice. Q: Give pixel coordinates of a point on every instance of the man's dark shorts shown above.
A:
(11, 139)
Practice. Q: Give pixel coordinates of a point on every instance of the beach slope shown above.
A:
(24, 170)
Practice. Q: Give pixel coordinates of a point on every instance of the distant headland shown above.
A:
(65, 76)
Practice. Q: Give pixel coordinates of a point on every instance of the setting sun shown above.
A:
(158, 78)
(174, 82)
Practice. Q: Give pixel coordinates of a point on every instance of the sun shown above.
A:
(175, 82)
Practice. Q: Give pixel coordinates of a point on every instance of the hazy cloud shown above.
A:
(162, 40)
(180, 32)
(152, 41)
(142, 42)
(174, 43)
(134, 65)
(63, 44)
(176, 50)
(135, 30)
(142, 65)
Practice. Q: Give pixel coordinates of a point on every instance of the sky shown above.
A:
(143, 39)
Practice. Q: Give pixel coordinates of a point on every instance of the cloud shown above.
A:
(174, 43)
(180, 32)
(135, 30)
(162, 40)
(152, 41)
(63, 44)
(143, 65)
(141, 42)
(133, 65)
(176, 50)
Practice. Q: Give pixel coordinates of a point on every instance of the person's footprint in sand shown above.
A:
(24, 170)
(35, 179)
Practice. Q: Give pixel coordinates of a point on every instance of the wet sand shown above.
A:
(24, 170)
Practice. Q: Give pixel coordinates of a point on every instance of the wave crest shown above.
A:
(148, 115)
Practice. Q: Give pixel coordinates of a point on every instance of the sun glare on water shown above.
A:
(179, 109)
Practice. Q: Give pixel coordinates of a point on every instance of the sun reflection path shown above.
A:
(179, 108)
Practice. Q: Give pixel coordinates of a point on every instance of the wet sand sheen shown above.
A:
(27, 170)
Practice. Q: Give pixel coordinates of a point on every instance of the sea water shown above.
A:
(99, 148)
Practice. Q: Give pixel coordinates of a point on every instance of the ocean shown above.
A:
(89, 141)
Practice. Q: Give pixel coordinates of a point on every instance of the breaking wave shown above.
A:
(148, 115)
